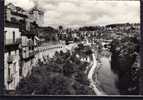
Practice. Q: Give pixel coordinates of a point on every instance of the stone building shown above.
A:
(11, 56)
(21, 28)
(12, 35)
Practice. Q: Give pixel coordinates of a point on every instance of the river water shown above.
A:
(107, 78)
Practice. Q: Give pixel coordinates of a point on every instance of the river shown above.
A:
(107, 78)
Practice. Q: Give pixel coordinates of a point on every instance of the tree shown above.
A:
(64, 77)
(69, 69)
(60, 27)
(123, 57)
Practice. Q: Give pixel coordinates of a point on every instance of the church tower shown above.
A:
(36, 14)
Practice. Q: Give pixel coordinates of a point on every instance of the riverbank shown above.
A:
(92, 72)
(107, 79)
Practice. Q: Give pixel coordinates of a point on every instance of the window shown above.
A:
(10, 58)
(5, 36)
(27, 25)
(13, 36)
(14, 67)
(22, 25)
(13, 19)
(8, 72)
(10, 78)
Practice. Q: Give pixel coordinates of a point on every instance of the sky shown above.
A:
(83, 12)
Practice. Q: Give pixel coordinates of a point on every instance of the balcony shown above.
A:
(12, 42)
(28, 33)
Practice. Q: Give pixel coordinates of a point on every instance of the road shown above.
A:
(50, 49)
(90, 77)
(107, 78)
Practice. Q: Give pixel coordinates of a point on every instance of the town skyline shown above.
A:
(75, 13)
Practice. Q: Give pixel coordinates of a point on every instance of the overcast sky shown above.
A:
(84, 12)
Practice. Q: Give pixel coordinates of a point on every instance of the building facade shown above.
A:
(20, 32)
(11, 56)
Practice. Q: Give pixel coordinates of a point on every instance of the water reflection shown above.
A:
(107, 78)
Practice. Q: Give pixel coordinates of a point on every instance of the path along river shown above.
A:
(90, 77)
(106, 78)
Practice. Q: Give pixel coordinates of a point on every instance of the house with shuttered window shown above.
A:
(20, 32)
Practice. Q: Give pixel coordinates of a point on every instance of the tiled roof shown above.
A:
(15, 7)
(19, 14)
(16, 10)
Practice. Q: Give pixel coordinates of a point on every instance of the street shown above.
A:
(49, 50)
